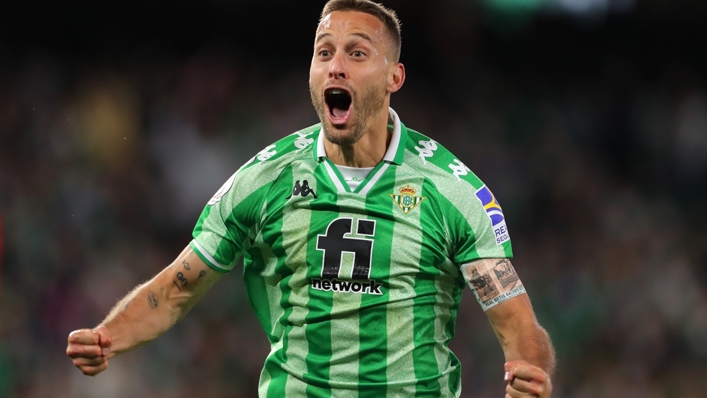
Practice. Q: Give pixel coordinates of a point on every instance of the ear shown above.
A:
(396, 77)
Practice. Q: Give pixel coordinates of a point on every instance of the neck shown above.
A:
(366, 152)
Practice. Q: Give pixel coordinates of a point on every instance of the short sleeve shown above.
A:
(225, 228)
(479, 227)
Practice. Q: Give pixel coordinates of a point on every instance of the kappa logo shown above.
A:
(302, 190)
(459, 169)
(303, 141)
(494, 212)
(266, 153)
(407, 200)
(427, 150)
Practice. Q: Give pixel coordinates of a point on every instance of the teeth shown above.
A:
(336, 91)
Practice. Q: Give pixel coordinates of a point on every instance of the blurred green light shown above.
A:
(514, 6)
(511, 16)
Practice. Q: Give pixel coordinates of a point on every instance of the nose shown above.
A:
(337, 69)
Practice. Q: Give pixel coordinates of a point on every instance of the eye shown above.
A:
(358, 54)
(324, 53)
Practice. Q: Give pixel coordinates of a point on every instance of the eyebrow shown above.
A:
(359, 34)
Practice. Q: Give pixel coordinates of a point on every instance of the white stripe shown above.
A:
(209, 257)
(395, 139)
(374, 180)
(321, 150)
(494, 213)
(334, 178)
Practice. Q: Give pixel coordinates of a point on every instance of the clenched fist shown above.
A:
(526, 380)
(89, 349)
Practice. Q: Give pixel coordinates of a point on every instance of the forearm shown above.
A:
(530, 342)
(153, 307)
(142, 315)
(530, 358)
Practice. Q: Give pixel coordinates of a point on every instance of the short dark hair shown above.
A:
(385, 15)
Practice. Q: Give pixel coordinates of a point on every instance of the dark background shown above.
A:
(587, 118)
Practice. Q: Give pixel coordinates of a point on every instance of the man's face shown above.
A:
(348, 75)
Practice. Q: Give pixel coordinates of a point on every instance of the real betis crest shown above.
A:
(407, 200)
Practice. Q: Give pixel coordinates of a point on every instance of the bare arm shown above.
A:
(153, 307)
(143, 314)
(530, 358)
(524, 341)
(520, 334)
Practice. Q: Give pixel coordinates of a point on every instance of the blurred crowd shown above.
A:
(105, 167)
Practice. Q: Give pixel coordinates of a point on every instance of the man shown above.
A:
(358, 235)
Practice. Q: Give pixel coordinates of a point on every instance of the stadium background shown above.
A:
(588, 119)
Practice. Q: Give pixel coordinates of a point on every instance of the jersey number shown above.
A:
(335, 243)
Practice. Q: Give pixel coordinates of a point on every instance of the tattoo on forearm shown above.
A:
(184, 281)
(128, 303)
(177, 285)
(152, 300)
(186, 265)
(202, 273)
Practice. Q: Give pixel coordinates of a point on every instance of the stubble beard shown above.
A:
(364, 108)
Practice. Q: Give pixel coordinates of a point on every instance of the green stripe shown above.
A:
(455, 383)
(424, 309)
(202, 218)
(295, 221)
(373, 336)
(431, 220)
(344, 363)
(318, 320)
(276, 274)
(257, 291)
(265, 262)
(434, 288)
(443, 317)
(405, 267)
(345, 340)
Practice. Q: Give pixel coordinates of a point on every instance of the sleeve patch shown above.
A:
(495, 214)
(222, 191)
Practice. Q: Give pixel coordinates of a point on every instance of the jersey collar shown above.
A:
(396, 149)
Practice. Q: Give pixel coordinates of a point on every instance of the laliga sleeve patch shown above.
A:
(494, 212)
(222, 191)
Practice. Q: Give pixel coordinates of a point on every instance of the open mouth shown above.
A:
(338, 102)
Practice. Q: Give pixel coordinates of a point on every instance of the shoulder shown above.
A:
(437, 163)
(481, 218)
(266, 166)
(280, 154)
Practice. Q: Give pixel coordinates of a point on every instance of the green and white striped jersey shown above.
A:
(358, 292)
